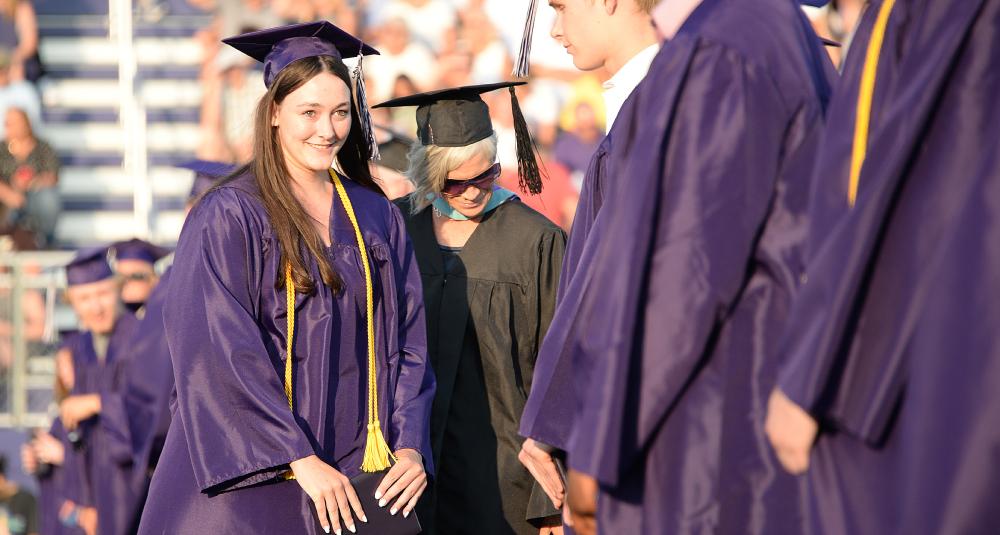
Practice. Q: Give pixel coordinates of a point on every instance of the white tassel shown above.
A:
(523, 63)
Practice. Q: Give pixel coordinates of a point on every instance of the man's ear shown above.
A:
(610, 6)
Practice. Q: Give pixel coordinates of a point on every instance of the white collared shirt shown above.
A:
(620, 86)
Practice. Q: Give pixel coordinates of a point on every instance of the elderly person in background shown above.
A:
(29, 171)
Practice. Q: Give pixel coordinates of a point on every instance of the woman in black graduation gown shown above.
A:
(490, 266)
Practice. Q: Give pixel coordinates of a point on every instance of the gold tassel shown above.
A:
(290, 314)
(377, 453)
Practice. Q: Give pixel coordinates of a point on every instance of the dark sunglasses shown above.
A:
(482, 181)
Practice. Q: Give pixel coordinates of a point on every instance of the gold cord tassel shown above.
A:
(290, 313)
(377, 452)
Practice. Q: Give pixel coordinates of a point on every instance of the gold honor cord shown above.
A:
(377, 452)
(865, 95)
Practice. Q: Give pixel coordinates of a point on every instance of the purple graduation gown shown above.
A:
(692, 278)
(136, 416)
(548, 413)
(232, 433)
(51, 493)
(95, 476)
(894, 347)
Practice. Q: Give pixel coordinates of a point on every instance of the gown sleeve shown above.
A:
(414, 388)
(133, 416)
(672, 262)
(230, 399)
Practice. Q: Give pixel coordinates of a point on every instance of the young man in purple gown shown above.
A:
(688, 285)
(892, 350)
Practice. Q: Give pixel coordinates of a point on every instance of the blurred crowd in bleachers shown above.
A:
(424, 45)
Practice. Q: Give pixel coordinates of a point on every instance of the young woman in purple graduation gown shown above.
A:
(295, 322)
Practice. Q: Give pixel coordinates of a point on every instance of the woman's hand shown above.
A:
(791, 431)
(331, 493)
(581, 497)
(76, 409)
(543, 468)
(405, 480)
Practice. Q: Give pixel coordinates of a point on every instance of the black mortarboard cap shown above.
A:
(458, 116)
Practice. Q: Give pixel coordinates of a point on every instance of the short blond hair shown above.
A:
(647, 5)
(430, 165)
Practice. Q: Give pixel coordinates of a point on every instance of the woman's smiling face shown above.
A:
(313, 122)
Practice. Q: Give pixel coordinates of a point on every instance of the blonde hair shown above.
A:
(430, 165)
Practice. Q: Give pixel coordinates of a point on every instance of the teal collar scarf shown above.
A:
(498, 197)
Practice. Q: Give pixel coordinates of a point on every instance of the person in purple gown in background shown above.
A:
(295, 322)
(136, 416)
(134, 262)
(887, 399)
(93, 480)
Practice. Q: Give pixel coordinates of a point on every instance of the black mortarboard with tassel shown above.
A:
(458, 117)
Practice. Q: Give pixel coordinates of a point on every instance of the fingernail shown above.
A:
(351, 527)
(337, 531)
(392, 511)
(406, 514)
(381, 503)
(364, 519)
(326, 529)
(378, 494)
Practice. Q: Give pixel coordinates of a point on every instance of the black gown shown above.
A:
(488, 307)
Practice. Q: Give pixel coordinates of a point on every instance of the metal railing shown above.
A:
(32, 314)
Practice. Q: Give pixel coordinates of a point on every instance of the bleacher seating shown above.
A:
(80, 98)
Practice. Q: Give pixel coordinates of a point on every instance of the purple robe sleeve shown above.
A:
(114, 420)
(230, 399)
(672, 261)
(134, 418)
(414, 389)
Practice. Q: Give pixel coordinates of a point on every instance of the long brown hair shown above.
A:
(290, 221)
